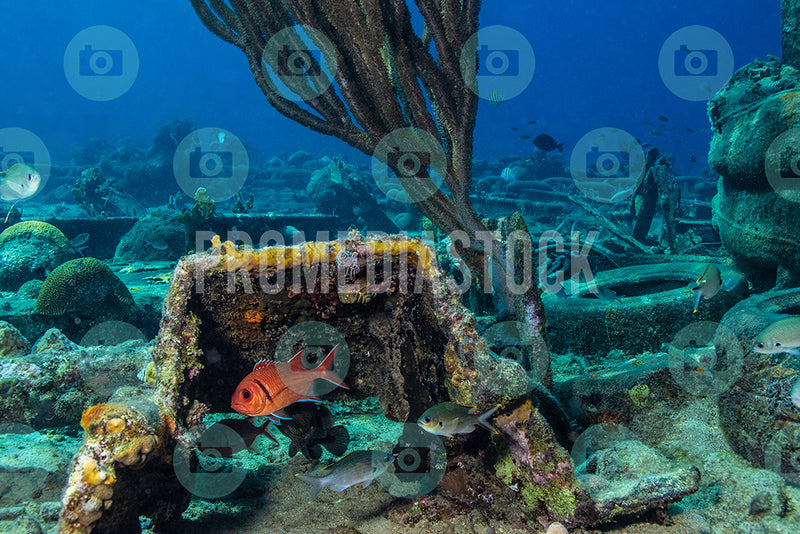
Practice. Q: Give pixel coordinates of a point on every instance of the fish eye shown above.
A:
(759, 345)
(426, 420)
(246, 394)
(777, 344)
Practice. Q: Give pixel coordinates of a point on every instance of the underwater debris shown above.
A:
(755, 208)
(414, 327)
(117, 436)
(631, 478)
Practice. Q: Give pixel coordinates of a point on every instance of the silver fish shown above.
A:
(780, 336)
(358, 467)
(448, 418)
(20, 181)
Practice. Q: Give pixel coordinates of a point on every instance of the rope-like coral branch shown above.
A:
(387, 77)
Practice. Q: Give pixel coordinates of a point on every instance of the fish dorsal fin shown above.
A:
(263, 364)
(337, 461)
(296, 361)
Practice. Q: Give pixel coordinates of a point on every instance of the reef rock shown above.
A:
(631, 478)
(402, 334)
(156, 236)
(29, 250)
(12, 343)
(757, 414)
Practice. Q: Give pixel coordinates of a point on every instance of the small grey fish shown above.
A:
(358, 467)
(76, 244)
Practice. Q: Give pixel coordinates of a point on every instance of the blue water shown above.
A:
(596, 66)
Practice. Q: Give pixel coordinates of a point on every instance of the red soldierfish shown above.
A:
(275, 385)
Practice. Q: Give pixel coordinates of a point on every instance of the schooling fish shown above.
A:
(780, 336)
(358, 467)
(546, 143)
(20, 181)
(448, 418)
(310, 429)
(275, 385)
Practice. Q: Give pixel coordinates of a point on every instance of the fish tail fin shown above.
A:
(326, 369)
(317, 483)
(265, 431)
(697, 295)
(338, 440)
(483, 420)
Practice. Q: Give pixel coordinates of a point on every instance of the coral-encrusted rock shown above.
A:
(53, 341)
(757, 216)
(28, 250)
(757, 413)
(409, 339)
(12, 343)
(541, 470)
(101, 490)
(631, 478)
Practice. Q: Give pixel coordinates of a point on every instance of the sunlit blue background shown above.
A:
(596, 66)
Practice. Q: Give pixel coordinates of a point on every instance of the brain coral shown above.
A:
(85, 283)
(28, 250)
